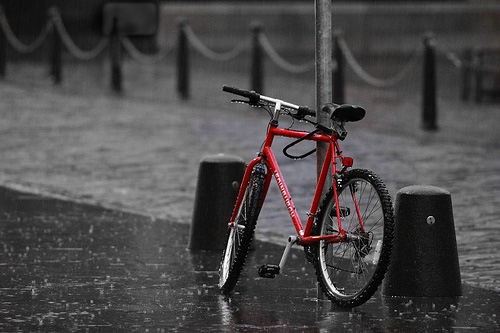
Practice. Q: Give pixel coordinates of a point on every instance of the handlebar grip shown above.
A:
(251, 95)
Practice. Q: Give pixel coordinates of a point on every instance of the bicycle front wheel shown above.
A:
(240, 234)
(350, 272)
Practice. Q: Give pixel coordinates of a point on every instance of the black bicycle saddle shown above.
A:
(344, 112)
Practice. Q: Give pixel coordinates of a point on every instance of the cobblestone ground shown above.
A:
(141, 150)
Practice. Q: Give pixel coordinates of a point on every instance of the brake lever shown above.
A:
(241, 101)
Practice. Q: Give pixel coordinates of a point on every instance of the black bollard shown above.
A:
(338, 72)
(3, 48)
(466, 74)
(478, 71)
(183, 61)
(116, 58)
(56, 59)
(257, 68)
(424, 260)
(218, 184)
(429, 105)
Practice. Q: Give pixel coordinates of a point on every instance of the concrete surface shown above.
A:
(72, 267)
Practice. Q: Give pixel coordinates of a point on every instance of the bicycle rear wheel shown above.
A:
(240, 235)
(350, 272)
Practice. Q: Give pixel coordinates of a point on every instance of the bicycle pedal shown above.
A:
(269, 271)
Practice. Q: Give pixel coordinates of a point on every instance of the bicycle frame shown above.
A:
(267, 157)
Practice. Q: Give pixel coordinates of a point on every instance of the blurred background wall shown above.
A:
(369, 27)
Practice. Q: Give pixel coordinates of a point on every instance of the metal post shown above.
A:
(257, 68)
(466, 74)
(56, 59)
(3, 48)
(116, 58)
(338, 73)
(323, 16)
(429, 107)
(323, 71)
(478, 69)
(183, 61)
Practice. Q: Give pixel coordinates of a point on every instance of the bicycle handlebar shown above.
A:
(255, 98)
(251, 95)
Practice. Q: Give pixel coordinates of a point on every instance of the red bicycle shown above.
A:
(348, 234)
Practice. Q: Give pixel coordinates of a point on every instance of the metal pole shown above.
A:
(323, 71)
(323, 16)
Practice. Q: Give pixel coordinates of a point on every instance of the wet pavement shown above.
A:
(78, 267)
(140, 152)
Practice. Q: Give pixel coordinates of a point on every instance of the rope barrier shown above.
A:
(460, 64)
(70, 45)
(454, 59)
(279, 61)
(451, 56)
(141, 57)
(212, 55)
(55, 24)
(16, 43)
(380, 83)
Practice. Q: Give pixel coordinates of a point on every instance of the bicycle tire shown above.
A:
(240, 236)
(350, 272)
